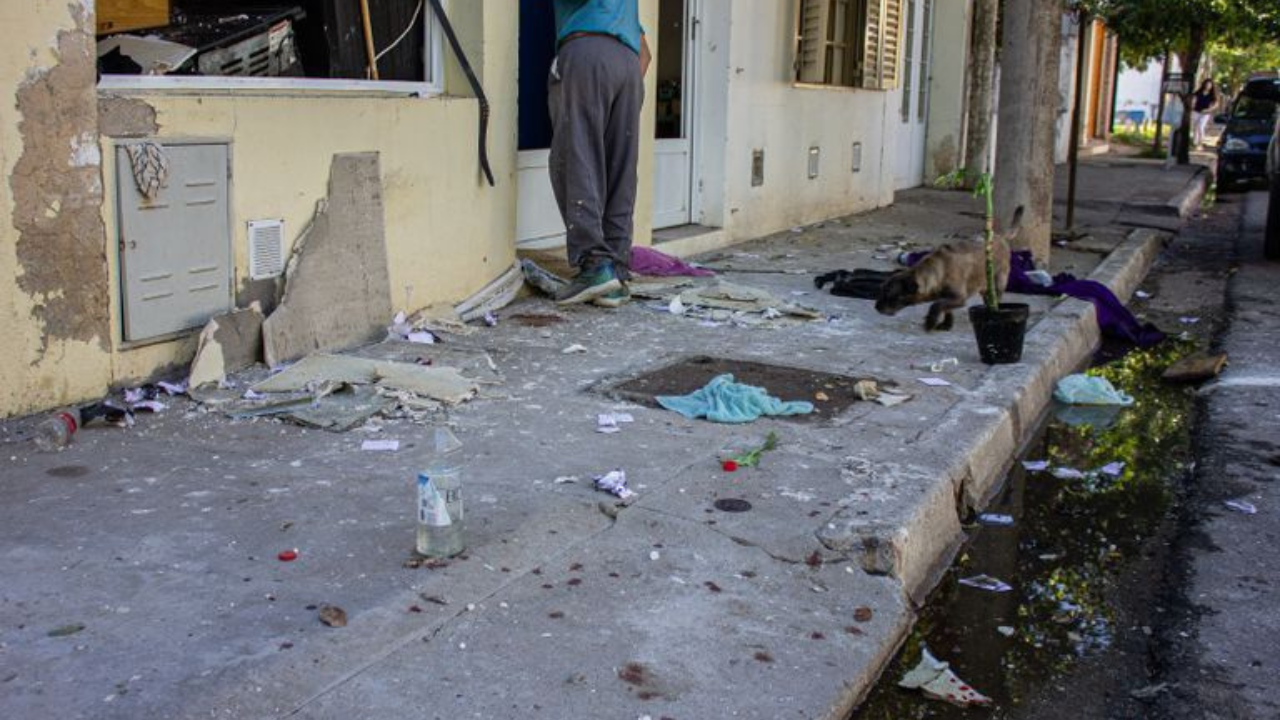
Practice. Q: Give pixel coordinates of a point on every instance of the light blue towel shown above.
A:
(726, 401)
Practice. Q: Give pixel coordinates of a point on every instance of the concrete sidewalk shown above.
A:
(161, 541)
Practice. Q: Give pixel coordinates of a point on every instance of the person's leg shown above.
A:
(580, 97)
(622, 147)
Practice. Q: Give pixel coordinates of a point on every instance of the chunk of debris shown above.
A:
(499, 293)
(935, 679)
(445, 384)
(1195, 368)
(333, 616)
(228, 343)
(337, 290)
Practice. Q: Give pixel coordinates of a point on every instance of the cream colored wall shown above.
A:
(447, 232)
(766, 110)
(35, 374)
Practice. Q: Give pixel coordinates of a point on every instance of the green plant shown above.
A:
(751, 458)
(985, 189)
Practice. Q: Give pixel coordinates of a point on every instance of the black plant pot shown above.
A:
(1000, 332)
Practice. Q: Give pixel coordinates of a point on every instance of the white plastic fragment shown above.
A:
(996, 519)
(935, 382)
(1114, 469)
(1066, 473)
(1036, 465)
(574, 349)
(986, 582)
(676, 307)
(380, 445)
(935, 679)
(1241, 506)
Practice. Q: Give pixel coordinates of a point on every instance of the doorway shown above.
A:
(673, 126)
(913, 96)
(538, 223)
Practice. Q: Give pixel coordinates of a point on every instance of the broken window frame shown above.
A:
(433, 71)
(839, 44)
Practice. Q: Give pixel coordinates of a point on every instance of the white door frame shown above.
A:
(689, 122)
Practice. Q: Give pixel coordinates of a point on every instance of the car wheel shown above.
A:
(1224, 181)
(1271, 241)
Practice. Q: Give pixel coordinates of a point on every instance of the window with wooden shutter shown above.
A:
(852, 43)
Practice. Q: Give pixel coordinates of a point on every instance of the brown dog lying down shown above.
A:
(948, 276)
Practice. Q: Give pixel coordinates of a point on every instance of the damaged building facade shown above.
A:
(162, 159)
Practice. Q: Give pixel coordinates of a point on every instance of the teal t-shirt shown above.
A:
(619, 18)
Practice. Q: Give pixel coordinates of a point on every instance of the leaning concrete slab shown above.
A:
(337, 290)
(228, 343)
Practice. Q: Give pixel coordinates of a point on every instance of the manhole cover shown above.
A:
(830, 394)
(732, 505)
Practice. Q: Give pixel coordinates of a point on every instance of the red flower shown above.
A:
(729, 465)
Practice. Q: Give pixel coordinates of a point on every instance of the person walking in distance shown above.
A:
(1202, 104)
(595, 92)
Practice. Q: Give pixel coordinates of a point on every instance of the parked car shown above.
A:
(1271, 245)
(1242, 150)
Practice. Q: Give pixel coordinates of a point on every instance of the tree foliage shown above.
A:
(1185, 28)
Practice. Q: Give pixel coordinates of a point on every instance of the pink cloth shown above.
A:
(647, 261)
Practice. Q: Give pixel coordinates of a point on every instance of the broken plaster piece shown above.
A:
(337, 290)
(229, 342)
(445, 384)
(935, 679)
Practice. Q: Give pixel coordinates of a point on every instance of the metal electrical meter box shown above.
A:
(176, 262)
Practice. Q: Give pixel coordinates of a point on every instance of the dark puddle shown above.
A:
(1070, 546)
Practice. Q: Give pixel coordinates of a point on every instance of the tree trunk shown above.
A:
(1190, 68)
(982, 68)
(1029, 103)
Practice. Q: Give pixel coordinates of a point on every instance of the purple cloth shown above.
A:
(647, 261)
(1114, 319)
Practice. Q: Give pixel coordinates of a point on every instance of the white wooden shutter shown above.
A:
(811, 55)
(891, 55)
(882, 44)
(871, 49)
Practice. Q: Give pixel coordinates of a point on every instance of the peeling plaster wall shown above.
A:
(447, 234)
(766, 110)
(53, 270)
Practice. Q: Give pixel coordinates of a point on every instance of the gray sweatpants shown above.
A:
(595, 93)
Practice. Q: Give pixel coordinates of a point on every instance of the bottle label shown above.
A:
(432, 509)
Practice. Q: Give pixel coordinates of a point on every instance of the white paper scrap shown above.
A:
(1114, 469)
(935, 382)
(1036, 465)
(380, 445)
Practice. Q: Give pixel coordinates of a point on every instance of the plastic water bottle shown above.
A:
(440, 515)
(55, 432)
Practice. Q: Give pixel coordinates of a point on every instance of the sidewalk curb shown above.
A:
(1015, 397)
(1185, 203)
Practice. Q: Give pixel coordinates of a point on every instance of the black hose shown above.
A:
(475, 86)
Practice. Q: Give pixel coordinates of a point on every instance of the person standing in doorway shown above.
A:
(1202, 104)
(595, 92)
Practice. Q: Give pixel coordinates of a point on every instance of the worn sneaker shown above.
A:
(614, 299)
(591, 283)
